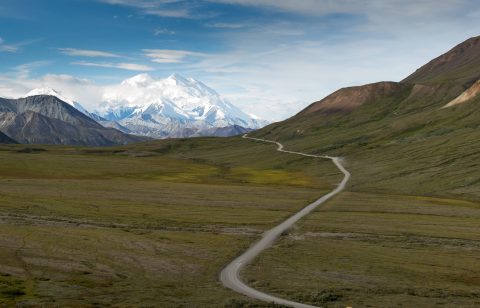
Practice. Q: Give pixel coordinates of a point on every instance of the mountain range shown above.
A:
(165, 108)
(46, 119)
(140, 106)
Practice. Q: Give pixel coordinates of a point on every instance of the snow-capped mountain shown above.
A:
(52, 92)
(66, 99)
(170, 107)
(47, 119)
(162, 108)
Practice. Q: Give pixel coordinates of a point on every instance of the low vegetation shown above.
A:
(152, 223)
(370, 250)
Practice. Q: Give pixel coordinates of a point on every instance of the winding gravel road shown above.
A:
(230, 275)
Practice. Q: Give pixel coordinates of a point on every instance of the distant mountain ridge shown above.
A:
(52, 92)
(45, 119)
(162, 108)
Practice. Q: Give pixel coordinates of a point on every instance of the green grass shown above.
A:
(141, 225)
(372, 250)
(400, 145)
(83, 265)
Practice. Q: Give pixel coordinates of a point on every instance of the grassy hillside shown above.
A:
(397, 137)
(400, 144)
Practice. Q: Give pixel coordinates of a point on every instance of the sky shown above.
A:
(271, 58)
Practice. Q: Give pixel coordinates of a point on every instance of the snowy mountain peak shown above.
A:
(50, 91)
(43, 91)
(157, 107)
(60, 96)
(176, 76)
(177, 80)
(139, 80)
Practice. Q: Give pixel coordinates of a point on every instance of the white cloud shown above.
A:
(141, 3)
(81, 90)
(87, 53)
(7, 48)
(124, 66)
(170, 56)
(425, 8)
(178, 13)
(162, 31)
(225, 25)
(305, 6)
(24, 70)
(161, 8)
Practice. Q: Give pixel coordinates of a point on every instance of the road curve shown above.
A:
(230, 275)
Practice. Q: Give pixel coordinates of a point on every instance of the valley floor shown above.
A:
(155, 223)
(120, 227)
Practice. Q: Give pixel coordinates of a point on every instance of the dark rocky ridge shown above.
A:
(48, 120)
(4, 139)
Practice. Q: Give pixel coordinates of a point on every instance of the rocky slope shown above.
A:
(466, 96)
(49, 120)
(4, 139)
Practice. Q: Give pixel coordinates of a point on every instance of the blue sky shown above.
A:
(269, 57)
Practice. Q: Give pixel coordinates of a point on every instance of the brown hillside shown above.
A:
(348, 99)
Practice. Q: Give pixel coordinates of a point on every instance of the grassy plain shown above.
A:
(150, 224)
